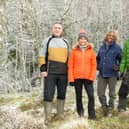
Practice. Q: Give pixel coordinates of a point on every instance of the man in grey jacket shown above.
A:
(53, 58)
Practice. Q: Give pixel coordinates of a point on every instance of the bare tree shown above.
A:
(25, 23)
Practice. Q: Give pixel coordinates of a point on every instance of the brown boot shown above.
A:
(110, 111)
(105, 110)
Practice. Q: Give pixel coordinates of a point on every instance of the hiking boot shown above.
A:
(105, 110)
(110, 111)
(81, 113)
(122, 104)
(92, 117)
(121, 110)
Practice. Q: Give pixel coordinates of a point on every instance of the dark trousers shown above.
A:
(90, 92)
(51, 82)
(123, 92)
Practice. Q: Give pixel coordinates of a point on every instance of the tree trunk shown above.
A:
(2, 19)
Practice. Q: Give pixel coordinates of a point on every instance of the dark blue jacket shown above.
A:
(108, 59)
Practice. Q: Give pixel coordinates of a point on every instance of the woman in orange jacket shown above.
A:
(82, 71)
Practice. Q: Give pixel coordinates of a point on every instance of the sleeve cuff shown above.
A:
(43, 68)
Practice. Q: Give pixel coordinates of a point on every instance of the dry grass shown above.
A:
(29, 114)
(76, 124)
(17, 120)
(124, 116)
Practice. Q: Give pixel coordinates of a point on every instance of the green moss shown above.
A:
(5, 100)
(8, 99)
(26, 106)
(110, 123)
(32, 104)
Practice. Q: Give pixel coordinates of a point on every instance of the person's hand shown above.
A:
(116, 68)
(98, 66)
(71, 83)
(43, 74)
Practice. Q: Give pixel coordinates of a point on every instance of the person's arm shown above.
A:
(124, 58)
(41, 59)
(118, 60)
(71, 67)
(93, 67)
(98, 60)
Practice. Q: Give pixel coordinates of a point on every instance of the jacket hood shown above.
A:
(76, 45)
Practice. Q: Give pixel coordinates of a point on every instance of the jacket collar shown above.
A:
(111, 44)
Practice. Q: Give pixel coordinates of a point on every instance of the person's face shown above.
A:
(111, 37)
(57, 30)
(83, 41)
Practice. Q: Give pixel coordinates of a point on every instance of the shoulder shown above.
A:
(102, 45)
(65, 40)
(91, 45)
(91, 50)
(117, 46)
(127, 40)
(44, 41)
(74, 50)
(126, 43)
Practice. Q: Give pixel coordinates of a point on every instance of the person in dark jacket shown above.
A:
(53, 58)
(124, 70)
(108, 62)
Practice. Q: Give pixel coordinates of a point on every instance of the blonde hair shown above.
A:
(58, 22)
(115, 35)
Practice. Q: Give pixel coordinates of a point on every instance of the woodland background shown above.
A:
(25, 23)
(23, 26)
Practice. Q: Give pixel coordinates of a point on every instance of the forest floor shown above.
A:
(25, 111)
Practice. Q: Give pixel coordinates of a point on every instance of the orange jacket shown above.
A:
(82, 64)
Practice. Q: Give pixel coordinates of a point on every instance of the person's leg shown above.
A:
(101, 89)
(61, 93)
(112, 88)
(91, 103)
(49, 89)
(78, 91)
(123, 93)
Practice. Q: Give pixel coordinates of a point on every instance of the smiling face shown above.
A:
(83, 41)
(57, 30)
(110, 37)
